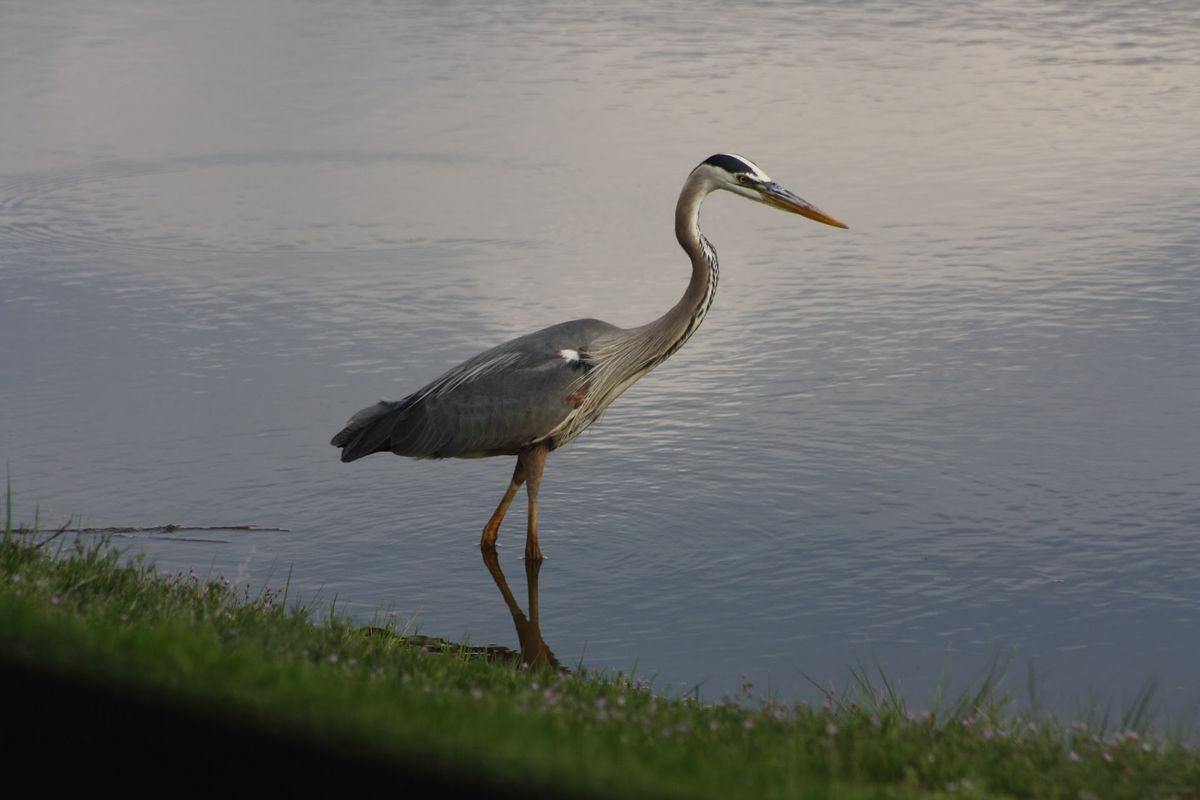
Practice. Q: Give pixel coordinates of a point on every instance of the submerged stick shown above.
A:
(52, 536)
(171, 527)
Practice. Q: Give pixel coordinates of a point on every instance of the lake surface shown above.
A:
(965, 429)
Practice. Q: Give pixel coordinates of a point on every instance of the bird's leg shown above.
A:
(535, 462)
(492, 529)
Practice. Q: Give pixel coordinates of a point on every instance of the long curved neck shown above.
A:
(672, 329)
(621, 357)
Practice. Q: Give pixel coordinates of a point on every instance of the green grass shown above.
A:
(69, 605)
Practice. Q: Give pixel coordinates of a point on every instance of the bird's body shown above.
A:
(537, 392)
(485, 406)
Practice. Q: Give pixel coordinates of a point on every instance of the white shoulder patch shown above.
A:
(569, 356)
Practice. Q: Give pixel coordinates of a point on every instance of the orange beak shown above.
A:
(775, 195)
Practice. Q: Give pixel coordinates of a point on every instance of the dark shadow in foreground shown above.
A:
(93, 733)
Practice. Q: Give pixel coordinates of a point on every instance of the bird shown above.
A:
(530, 396)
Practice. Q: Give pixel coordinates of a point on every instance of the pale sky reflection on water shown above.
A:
(966, 428)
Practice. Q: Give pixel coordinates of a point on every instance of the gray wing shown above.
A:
(498, 402)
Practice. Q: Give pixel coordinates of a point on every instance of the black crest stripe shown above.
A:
(729, 163)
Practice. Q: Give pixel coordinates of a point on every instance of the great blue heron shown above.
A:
(535, 393)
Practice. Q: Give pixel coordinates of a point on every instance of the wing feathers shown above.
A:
(500, 401)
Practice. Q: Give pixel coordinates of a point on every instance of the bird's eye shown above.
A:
(743, 178)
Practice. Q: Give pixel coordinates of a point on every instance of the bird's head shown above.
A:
(739, 175)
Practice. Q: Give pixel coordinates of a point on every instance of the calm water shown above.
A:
(965, 429)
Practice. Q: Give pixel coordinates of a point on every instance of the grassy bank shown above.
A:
(247, 659)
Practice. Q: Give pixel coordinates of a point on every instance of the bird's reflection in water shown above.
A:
(533, 649)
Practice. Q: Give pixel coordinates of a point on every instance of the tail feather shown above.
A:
(368, 431)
